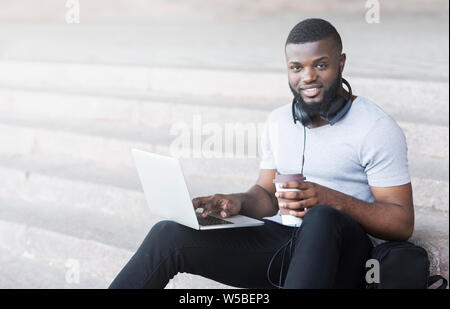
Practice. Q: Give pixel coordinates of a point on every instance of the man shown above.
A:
(357, 184)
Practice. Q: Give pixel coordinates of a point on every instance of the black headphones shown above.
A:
(332, 113)
(336, 110)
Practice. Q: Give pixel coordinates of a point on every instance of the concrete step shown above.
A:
(77, 194)
(431, 232)
(111, 141)
(142, 108)
(398, 95)
(254, 44)
(93, 188)
(23, 271)
(60, 202)
(110, 144)
(81, 223)
(116, 191)
(58, 250)
(33, 257)
(39, 198)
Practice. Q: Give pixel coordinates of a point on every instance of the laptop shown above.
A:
(168, 196)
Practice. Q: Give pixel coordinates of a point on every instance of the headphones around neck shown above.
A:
(332, 113)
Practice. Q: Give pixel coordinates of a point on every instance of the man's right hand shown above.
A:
(225, 204)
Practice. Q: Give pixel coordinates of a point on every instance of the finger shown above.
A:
(296, 195)
(294, 184)
(224, 214)
(304, 185)
(226, 209)
(207, 208)
(297, 205)
(308, 203)
(289, 185)
(212, 205)
(282, 203)
(298, 214)
(206, 213)
(290, 195)
(199, 201)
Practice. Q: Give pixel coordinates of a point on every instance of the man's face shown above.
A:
(314, 71)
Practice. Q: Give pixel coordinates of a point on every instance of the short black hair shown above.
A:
(312, 30)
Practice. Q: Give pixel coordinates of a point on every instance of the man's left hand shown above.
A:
(310, 194)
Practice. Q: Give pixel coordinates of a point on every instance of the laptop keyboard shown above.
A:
(209, 220)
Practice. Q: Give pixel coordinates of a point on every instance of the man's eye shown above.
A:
(322, 66)
(296, 68)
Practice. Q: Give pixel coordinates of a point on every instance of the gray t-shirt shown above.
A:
(365, 148)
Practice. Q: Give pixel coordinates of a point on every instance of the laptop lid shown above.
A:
(165, 188)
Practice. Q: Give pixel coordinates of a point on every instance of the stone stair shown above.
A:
(69, 179)
(72, 211)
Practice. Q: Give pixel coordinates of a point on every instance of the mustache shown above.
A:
(311, 109)
(315, 109)
(333, 88)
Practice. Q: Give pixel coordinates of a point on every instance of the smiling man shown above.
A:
(357, 189)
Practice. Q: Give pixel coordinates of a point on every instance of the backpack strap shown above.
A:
(433, 279)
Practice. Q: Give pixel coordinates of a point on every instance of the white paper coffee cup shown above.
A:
(286, 218)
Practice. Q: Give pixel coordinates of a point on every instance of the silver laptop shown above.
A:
(168, 196)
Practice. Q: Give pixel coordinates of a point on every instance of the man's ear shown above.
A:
(342, 59)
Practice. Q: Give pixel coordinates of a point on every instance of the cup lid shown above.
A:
(288, 177)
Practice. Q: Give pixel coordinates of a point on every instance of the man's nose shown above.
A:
(309, 75)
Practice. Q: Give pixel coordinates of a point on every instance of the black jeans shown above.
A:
(330, 251)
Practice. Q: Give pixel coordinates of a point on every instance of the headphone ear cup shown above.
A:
(302, 116)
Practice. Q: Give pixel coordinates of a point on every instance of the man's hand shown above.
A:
(309, 195)
(225, 204)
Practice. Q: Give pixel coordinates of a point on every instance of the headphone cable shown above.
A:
(291, 240)
(304, 146)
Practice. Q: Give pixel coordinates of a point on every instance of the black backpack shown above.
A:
(403, 265)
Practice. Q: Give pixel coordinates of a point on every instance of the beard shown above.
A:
(314, 109)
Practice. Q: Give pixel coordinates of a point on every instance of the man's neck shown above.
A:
(319, 122)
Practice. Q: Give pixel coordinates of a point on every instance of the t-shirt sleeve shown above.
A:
(384, 154)
(267, 158)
